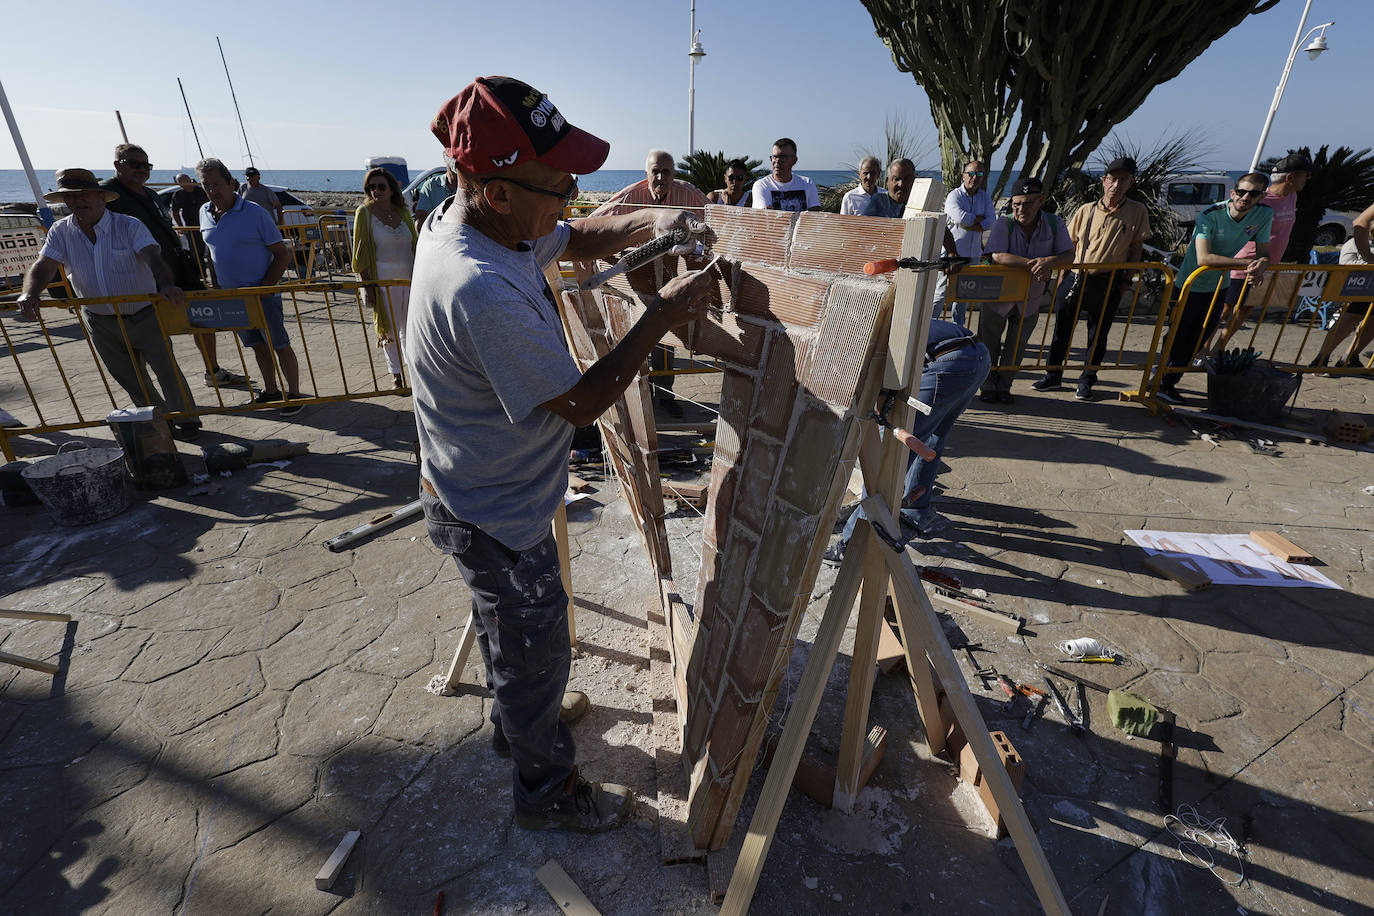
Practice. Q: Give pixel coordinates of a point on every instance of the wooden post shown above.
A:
(560, 534)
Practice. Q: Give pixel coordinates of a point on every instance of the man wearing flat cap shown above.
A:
(108, 254)
(497, 397)
(1110, 230)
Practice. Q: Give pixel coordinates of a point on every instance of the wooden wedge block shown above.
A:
(1008, 622)
(1190, 578)
(577, 484)
(564, 890)
(1281, 547)
(30, 663)
(891, 655)
(329, 873)
(34, 615)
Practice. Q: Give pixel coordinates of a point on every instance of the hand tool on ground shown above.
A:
(1093, 659)
(1069, 719)
(1009, 688)
(645, 254)
(887, 265)
(1167, 752)
(1081, 705)
(1070, 676)
(983, 673)
(1037, 709)
(340, 541)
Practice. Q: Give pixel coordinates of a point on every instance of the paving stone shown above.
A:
(184, 700)
(1149, 641)
(325, 638)
(414, 715)
(168, 653)
(400, 651)
(253, 796)
(56, 731)
(395, 567)
(199, 607)
(1318, 768)
(59, 595)
(268, 538)
(363, 778)
(239, 736)
(331, 710)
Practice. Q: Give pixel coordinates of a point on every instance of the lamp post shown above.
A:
(1313, 50)
(694, 54)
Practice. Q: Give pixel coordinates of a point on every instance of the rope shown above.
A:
(1197, 837)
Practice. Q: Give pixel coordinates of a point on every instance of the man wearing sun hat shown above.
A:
(108, 254)
(497, 396)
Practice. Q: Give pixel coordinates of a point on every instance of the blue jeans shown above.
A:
(521, 613)
(276, 325)
(948, 384)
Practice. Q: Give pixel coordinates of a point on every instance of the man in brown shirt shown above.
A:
(1111, 230)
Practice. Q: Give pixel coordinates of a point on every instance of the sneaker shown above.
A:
(290, 410)
(1169, 395)
(928, 522)
(397, 382)
(267, 397)
(1051, 382)
(587, 807)
(187, 431)
(834, 554)
(1085, 390)
(222, 376)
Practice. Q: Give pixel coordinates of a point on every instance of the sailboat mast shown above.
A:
(236, 102)
(189, 118)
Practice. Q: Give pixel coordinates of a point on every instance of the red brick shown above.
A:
(812, 455)
(734, 718)
(745, 234)
(782, 558)
(756, 477)
(793, 299)
(757, 641)
(844, 343)
(777, 388)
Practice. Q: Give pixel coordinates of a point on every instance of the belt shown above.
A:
(428, 487)
(949, 346)
(90, 314)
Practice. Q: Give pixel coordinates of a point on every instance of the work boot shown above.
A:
(587, 807)
(575, 705)
(1052, 381)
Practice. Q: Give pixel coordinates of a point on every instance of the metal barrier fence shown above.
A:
(322, 247)
(65, 367)
(1283, 324)
(1127, 295)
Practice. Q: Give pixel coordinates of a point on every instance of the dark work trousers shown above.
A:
(521, 613)
(1006, 337)
(1194, 325)
(1094, 298)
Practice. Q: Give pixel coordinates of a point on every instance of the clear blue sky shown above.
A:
(327, 85)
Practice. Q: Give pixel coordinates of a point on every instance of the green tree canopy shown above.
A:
(1065, 73)
(707, 170)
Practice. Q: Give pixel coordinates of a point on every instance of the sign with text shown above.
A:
(991, 283)
(18, 249)
(220, 314)
(985, 288)
(1358, 284)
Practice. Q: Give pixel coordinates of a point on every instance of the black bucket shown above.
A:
(1255, 396)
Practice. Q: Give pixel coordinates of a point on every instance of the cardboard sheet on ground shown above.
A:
(1230, 559)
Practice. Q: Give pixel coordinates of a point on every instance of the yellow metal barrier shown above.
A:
(1142, 288)
(67, 384)
(1286, 323)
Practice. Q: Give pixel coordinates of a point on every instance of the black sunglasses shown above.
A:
(378, 187)
(565, 196)
(736, 177)
(136, 165)
(1253, 192)
(976, 174)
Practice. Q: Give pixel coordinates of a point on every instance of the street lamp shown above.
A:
(694, 54)
(1313, 50)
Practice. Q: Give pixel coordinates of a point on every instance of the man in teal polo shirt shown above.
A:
(1221, 231)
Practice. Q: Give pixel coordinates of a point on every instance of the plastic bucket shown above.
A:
(1256, 396)
(83, 485)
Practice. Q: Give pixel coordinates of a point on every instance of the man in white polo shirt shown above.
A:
(107, 255)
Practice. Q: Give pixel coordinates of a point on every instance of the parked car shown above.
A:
(411, 189)
(1189, 195)
(1334, 229)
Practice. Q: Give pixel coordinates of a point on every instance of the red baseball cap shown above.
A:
(497, 121)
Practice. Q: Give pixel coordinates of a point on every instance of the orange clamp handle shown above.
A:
(885, 266)
(922, 450)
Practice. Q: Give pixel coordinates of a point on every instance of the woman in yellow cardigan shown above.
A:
(384, 249)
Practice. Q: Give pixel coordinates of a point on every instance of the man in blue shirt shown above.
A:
(901, 175)
(970, 213)
(247, 250)
(1219, 234)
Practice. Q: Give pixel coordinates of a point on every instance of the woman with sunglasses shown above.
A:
(384, 249)
(736, 192)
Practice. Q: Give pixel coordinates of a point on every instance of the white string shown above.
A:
(1197, 837)
(683, 397)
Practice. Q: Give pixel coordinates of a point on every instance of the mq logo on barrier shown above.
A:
(218, 313)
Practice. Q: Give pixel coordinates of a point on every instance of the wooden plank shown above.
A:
(1281, 547)
(34, 615)
(329, 872)
(1009, 622)
(803, 713)
(564, 891)
(915, 609)
(674, 839)
(1232, 421)
(1190, 578)
(460, 656)
(30, 663)
(907, 337)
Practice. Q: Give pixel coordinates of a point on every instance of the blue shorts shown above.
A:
(276, 325)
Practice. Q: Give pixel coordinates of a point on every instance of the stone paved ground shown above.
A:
(234, 697)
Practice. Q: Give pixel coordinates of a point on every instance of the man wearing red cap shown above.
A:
(497, 396)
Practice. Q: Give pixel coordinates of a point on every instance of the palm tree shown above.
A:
(1343, 180)
(899, 142)
(707, 170)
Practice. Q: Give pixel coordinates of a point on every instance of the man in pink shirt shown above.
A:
(660, 188)
(1289, 176)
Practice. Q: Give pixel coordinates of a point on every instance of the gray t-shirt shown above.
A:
(486, 348)
(263, 196)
